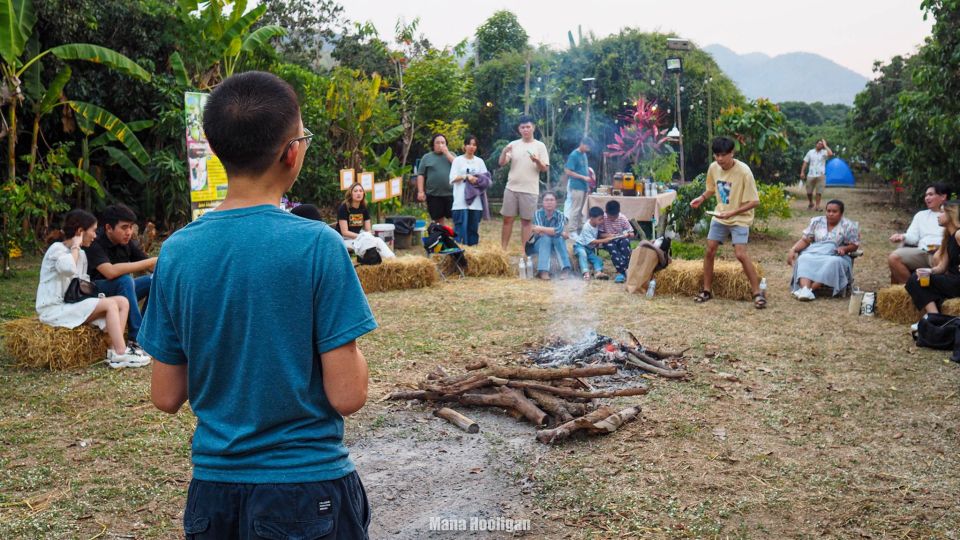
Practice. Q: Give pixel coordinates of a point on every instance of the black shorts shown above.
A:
(440, 206)
(336, 509)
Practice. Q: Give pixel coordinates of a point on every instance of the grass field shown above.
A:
(800, 421)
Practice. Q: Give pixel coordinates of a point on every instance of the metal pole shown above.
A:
(586, 119)
(683, 174)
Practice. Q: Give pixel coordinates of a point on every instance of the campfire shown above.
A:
(554, 396)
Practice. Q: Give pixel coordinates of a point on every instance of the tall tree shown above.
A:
(311, 25)
(499, 34)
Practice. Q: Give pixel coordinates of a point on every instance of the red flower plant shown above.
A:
(640, 136)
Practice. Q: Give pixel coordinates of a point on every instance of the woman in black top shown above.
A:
(945, 276)
(353, 215)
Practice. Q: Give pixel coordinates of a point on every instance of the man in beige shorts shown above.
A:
(816, 176)
(528, 158)
(922, 238)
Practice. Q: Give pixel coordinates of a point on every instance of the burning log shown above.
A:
(540, 374)
(570, 393)
(602, 420)
(508, 398)
(457, 419)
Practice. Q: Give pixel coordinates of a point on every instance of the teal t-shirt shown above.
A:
(436, 174)
(577, 162)
(248, 299)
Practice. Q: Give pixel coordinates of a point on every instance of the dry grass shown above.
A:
(36, 345)
(406, 272)
(800, 421)
(685, 278)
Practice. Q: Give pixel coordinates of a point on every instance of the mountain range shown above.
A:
(796, 76)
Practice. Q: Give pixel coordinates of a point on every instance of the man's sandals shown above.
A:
(759, 301)
(703, 296)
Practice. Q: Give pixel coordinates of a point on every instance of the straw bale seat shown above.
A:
(893, 303)
(486, 260)
(685, 278)
(407, 272)
(36, 345)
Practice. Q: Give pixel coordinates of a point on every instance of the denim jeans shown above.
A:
(133, 289)
(466, 225)
(544, 245)
(587, 256)
(335, 509)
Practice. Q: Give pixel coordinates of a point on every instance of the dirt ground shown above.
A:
(799, 421)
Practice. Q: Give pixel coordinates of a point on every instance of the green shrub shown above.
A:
(687, 250)
(682, 216)
(774, 202)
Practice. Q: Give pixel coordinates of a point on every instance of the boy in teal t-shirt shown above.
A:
(253, 317)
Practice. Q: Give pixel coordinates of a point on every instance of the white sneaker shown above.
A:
(118, 361)
(806, 295)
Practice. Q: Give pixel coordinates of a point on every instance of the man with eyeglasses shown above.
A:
(253, 317)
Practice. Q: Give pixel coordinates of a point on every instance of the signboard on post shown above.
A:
(208, 179)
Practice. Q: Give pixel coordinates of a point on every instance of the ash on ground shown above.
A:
(557, 352)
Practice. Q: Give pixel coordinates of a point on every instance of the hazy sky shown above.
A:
(852, 33)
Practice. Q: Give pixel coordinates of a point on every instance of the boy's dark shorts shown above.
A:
(440, 206)
(332, 509)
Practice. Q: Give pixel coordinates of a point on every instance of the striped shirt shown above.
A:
(612, 226)
(556, 222)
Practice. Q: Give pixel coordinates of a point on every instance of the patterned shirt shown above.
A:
(844, 233)
(612, 226)
(556, 222)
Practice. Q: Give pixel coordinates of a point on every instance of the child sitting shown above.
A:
(617, 232)
(585, 246)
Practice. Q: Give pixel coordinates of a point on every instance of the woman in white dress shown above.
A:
(66, 260)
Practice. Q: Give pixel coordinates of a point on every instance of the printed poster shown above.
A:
(208, 179)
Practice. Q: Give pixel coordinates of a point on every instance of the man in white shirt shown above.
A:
(527, 158)
(922, 238)
(816, 175)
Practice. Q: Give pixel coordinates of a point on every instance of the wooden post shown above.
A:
(457, 419)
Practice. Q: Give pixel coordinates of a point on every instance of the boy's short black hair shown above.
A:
(115, 213)
(722, 145)
(248, 119)
(613, 208)
(940, 189)
(596, 211)
(525, 119)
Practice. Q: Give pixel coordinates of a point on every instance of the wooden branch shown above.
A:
(563, 431)
(457, 419)
(422, 395)
(508, 398)
(642, 356)
(570, 393)
(479, 364)
(552, 404)
(545, 374)
(660, 355)
(663, 372)
(476, 380)
(437, 374)
(603, 420)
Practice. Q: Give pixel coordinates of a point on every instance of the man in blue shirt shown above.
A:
(253, 316)
(577, 170)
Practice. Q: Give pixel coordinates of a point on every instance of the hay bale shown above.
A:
(685, 278)
(407, 272)
(486, 260)
(893, 303)
(34, 344)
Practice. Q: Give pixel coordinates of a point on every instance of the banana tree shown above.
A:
(19, 58)
(225, 38)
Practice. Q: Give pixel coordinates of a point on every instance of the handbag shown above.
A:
(530, 248)
(79, 290)
(938, 331)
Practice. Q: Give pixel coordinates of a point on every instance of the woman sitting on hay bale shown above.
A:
(66, 260)
(944, 280)
(822, 255)
(353, 220)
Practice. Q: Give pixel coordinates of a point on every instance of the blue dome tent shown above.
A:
(839, 173)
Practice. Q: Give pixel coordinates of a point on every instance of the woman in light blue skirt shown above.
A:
(822, 255)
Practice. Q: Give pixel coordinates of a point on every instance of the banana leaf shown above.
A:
(100, 55)
(259, 38)
(179, 70)
(106, 136)
(121, 158)
(86, 178)
(114, 125)
(52, 95)
(16, 25)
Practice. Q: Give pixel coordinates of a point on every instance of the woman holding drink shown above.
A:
(929, 287)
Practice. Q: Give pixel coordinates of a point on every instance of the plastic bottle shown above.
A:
(530, 273)
(763, 286)
(522, 268)
(651, 288)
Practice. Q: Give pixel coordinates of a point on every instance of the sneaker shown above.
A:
(118, 361)
(134, 348)
(619, 279)
(806, 295)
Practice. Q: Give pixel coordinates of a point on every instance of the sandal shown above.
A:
(601, 276)
(759, 301)
(586, 276)
(704, 296)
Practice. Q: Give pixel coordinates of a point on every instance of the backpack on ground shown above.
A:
(939, 331)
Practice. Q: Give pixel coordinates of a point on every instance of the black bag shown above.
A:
(530, 248)
(939, 331)
(79, 290)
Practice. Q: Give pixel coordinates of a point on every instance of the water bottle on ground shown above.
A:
(763, 286)
(522, 268)
(651, 288)
(530, 273)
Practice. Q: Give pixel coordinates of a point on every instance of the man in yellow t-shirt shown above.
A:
(732, 181)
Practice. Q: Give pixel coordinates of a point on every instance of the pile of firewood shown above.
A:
(557, 398)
